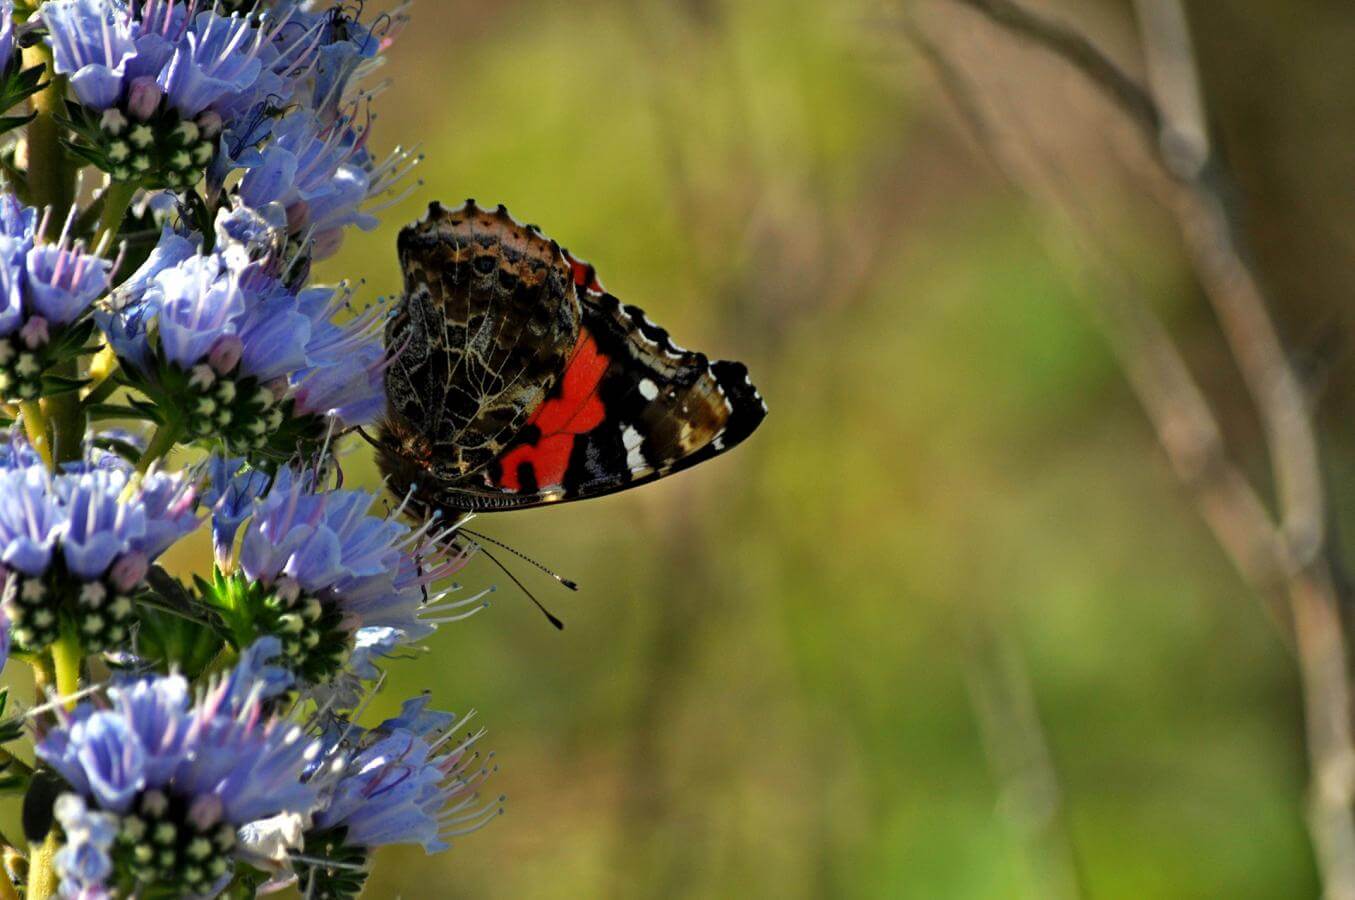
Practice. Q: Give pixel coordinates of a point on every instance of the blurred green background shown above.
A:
(792, 673)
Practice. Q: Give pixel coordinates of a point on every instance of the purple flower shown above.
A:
(331, 569)
(232, 490)
(78, 544)
(99, 527)
(134, 305)
(309, 170)
(198, 301)
(344, 377)
(42, 286)
(30, 519)
(408, 785)
(166, 766)
(218, 59)
(351, 392)
(63, 281)
(93, 42)
(84, 864)
(170, 503)
(255, 673)
(6, 32)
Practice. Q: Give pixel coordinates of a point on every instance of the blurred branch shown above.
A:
(1155, 368)
(1019, 755)
(1293, 557)
(1180, 146)
(1074, 47)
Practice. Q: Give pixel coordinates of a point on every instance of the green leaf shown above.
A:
(56, 385)
(9, 123)
(102, 411)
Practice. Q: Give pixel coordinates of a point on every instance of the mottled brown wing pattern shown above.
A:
(624, 404)
(484, 329)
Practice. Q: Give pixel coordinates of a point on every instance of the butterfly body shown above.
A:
(516, 380)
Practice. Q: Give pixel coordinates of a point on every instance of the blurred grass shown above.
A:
(762, 687)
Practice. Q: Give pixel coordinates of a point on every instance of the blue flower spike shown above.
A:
(203, 732)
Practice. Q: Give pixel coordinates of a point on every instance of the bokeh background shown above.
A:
(812, 667)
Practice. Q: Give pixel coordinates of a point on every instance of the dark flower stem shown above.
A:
(51, 183)
(163, 441)
(116, 200)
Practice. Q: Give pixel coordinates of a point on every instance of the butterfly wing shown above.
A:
(630, 407)
(487, 324)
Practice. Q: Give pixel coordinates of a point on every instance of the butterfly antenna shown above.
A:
(366, 437)
(572, 585)
(554, 620)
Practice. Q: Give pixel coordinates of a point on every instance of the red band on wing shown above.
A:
(575, 410)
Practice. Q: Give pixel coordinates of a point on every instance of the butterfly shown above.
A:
(515, 380)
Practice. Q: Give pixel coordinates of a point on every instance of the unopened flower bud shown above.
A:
(143, 97)
(34, 333)
(205, 811)
(225, 354)
(287, 590)
(130, 570)
(154, 804)
(209, 123)
(298, 216)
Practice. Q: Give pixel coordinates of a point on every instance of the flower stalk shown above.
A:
(167, 781)
(164, 439)
(117, 198)
(36, 427)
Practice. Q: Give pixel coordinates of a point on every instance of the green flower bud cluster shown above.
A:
(164, 151)
(27, 355)
(346, 873)
(314, 643)
(101, 613)
(21, 369)
(161, 842)
(240, 411)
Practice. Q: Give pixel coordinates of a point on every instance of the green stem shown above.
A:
(163, 441)
(44, 679)
(35, 426)
(117, 199)
(67, 658)
(103, 369)
(42, 880)
(68, 418)
(50, 181)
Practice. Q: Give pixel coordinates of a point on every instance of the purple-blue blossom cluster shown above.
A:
(171, 789)
(222, 753)
(235, 354)
(319, 568)
(46, 290)
(76, 546)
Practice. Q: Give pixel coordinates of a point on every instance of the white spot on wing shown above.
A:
(648, 389)
(631, 441)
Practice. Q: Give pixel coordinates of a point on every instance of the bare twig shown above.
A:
(1291, 557)
(1073, 46)
(1155, 368)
